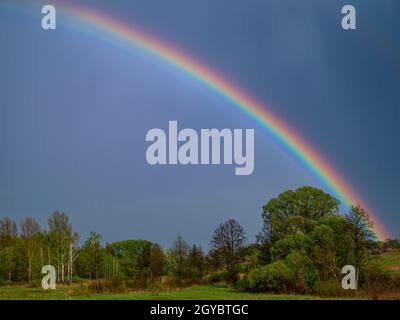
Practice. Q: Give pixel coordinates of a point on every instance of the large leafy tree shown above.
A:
(307, 202)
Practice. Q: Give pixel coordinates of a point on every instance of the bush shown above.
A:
(305, 274)
(115, 285)
(136, 284)
(242, 284)
(294, 274)
(331, 288)
(373, 273)
(96, 286)
(77, 279)
(173, 282)
(216, 277)
(274, 277)
(154, 287)
(378, 282)
(101, 286)
(375, 282)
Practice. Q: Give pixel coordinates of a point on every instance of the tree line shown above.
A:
(302, 246)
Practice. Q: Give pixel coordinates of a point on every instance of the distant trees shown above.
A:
(128, 253)
(22, 256)
(62, 239)
(91, 258)
(111, 264)
(8, 234)
(8, 229)
(214, 260)
(157, 261)
(391, 244)
(30, 234)
(169, 262)
(180, 250)
(302, 247)
(197, 263)
(229, 241)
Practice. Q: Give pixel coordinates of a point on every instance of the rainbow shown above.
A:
(280, 131)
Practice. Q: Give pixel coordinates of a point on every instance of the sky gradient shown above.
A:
(75, 111)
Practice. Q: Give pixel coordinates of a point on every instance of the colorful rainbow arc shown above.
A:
(277, 128)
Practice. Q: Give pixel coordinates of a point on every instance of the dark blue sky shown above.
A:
(75, 109)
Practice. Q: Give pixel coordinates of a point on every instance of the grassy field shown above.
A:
(200, 292)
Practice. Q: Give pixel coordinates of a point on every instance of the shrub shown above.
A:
(242, 284)
(173, 282)
(115, 285)
(373, 273)
(305, 274)
(378, 282)
(136, 284)
(216, 277)
(96, 286)
(274, 277)
(100, 286)
(154, 287)
(77, 279)
(331, 288)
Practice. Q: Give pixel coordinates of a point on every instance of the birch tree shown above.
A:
(61, 237)
(30, 231)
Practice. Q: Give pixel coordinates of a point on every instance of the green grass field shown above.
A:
(200, 292)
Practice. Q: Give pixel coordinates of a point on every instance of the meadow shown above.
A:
(197, 292)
